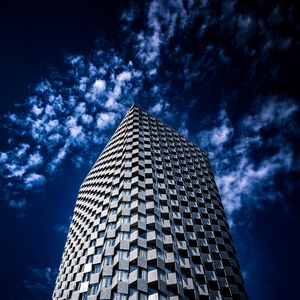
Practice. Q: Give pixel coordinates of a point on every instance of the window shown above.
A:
(89, 259)
(123, 236)
(86, 277)
(96, 268)
(126, 192)
(132, 291)
(126, 204)
(93, 289)
(103, 220)
(160, 254)
(107, 260)
(101, 234)
(133, 247)
(113, 211)
(115, 198)
(110, 242)
(105, 282)
(142, 218)
(132, 268)
(142, 274)
(123, 254)
(122, 275)
(111, 226)
(125, 220)
(142, 253)
(119, 296)
(161, 275)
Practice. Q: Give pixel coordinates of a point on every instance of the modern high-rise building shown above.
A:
(149, 222)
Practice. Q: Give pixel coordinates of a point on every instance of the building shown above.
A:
(149, 222)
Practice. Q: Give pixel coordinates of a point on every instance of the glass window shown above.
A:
(99, 250)
(132, 268)
(111, 226)
(113, 211)
(126, 204)
(110, 242)
(127, 192)
(96, 268)
(101, 234)
(133, 247)
(105, 282)
(123, 254)
(122, 275)
(103, 220)
(107, 260)
(142, 274)
(124, 236)
(86, 277)
(115, 198)
(125, 220)
(119, 296)
(93, 289)
(142, 253)
(132, 291)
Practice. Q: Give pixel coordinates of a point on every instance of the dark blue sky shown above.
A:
(223, 73)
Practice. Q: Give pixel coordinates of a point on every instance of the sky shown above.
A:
(225, 74)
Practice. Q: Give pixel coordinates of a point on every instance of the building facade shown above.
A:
(149, 222)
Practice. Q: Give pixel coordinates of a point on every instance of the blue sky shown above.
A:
(223, 73)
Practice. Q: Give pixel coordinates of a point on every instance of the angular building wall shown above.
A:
(149, 222)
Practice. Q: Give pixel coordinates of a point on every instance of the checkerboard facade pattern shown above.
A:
(149, 223)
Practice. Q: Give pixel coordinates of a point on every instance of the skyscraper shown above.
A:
(149, 223)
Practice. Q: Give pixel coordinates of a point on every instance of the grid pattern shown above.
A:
(149, 222)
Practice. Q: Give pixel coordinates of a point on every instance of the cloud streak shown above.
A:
(248, 158)
(178, 52)
(68, 113)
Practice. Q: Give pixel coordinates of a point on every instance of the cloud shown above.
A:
(41, 279)
(105, 119)
(34, 180)
(65, 115)
(247, 159)
(61, 228)
(99, 86)
(178, 52)
(18, 204)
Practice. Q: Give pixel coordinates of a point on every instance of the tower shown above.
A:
(149, 223)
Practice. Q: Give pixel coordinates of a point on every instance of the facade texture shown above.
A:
(149, 222)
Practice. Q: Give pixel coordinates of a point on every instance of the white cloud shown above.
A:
(105, 119)
(3, 157)
(34, 180)
(99, 86)
(35, 159)
(124, 76)
(241, 178)
(157, 108)
(86, 119)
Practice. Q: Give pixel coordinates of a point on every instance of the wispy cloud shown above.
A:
(180, 49)
(249, 157)
(66, 114)
(42, 279)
